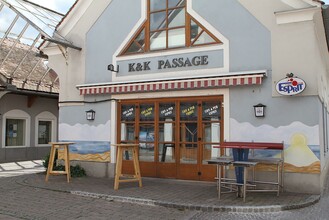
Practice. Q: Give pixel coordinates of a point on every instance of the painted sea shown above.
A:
(272, 153)
(98, 151)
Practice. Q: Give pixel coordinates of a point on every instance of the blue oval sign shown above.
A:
(290, 86)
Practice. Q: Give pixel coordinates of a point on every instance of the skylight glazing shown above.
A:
(22, 25)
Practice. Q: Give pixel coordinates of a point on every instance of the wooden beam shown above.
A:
(31, 100)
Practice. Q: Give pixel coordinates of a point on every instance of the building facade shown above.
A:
(179, 77)
(26, 129)
(28, 88)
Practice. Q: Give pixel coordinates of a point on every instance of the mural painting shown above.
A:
(89, 151)
(302, 148)
(85, 147)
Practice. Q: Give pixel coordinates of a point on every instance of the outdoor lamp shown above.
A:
(90, 115)
(259, 110)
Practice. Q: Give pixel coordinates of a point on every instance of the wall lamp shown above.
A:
(111, 68)
(90, 115)
(259, 110)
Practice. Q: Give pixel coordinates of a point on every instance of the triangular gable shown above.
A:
(168, 26)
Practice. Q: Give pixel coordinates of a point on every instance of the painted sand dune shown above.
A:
(313, 168)
(101, 157)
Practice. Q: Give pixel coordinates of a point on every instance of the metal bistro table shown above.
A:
(242, 162)
(55, 146)
(118, 169)
(223, 181)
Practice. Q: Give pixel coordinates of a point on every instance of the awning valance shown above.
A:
(166, 85)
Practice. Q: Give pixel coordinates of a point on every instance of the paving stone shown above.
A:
(30, 197)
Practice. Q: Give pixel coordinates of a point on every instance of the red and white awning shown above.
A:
(179, 84)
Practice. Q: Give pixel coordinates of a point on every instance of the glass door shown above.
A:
(167, 146)
(211, 130)
(211, 136)
(137, 125)
(146, 136)
(176, 136)
(188, 140)
(167, 119)
(127, 132)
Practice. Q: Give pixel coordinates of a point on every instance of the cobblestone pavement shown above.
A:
(318, 211)
(25, 195)
(23, 202)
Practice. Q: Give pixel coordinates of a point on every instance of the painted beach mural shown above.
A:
(97, 151)
(84, 136)
(302, 148)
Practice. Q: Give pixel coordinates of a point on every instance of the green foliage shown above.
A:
(46, 161)
(76, 171)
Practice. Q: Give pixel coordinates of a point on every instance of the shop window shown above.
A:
(16, 129)
(169, 26)
(46, 127)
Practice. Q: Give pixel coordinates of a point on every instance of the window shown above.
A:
(16, 129)
(168, 26)
(45, 128)
(44, 132)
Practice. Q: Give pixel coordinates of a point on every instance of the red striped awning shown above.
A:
(182, 84)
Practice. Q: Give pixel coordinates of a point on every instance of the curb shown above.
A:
(245, 209)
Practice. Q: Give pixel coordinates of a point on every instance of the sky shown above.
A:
(61, 6)
(7, 17)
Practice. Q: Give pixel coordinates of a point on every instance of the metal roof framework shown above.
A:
(24, 26)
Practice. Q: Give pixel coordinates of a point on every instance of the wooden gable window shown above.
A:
(168, 26)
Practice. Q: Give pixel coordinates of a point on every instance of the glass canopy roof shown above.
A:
(23, 28)
(41, 19)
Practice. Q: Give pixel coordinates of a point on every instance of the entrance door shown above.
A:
(189, 136)
(199, 135)
(211, 133)
(176, 136)
(167, 150)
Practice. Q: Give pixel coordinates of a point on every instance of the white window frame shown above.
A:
(21, 115)
(46, 116)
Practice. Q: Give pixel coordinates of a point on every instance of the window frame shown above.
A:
(17, 114)
(147, 35)
(45, 116)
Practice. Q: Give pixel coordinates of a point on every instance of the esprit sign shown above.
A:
(290, 86)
